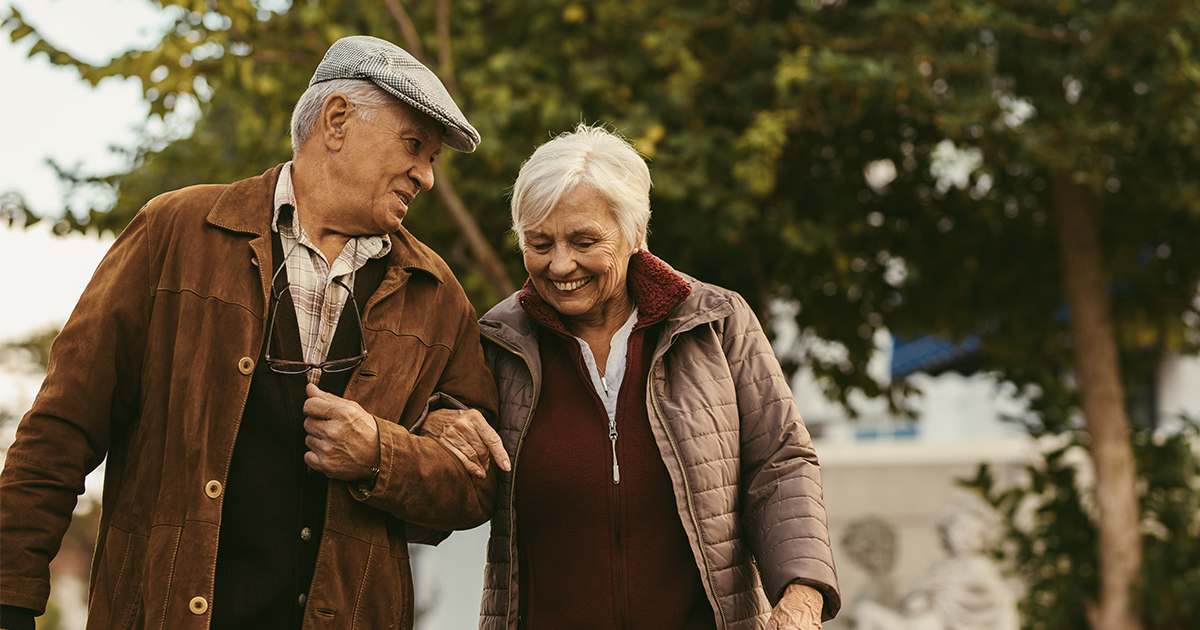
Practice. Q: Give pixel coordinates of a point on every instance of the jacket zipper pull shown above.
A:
(612, 437)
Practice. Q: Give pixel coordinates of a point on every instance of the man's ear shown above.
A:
(335, 114)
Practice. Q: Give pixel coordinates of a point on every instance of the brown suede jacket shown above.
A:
(746, 478)
(153, 369)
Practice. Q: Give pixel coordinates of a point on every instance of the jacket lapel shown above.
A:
(246, 207)
(407, 256)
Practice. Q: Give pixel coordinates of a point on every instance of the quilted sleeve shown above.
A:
(783, 512)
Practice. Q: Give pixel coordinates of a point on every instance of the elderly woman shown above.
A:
(661, 477)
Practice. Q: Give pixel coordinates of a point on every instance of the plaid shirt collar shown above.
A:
(318, 299)
(285, 196)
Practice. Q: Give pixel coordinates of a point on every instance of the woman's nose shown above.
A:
(561, 261)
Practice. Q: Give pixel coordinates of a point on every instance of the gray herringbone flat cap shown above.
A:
(397, 72)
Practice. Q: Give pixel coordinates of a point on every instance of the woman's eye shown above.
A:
(540, 247)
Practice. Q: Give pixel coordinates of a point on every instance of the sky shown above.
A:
(49, 112)
(71, 121)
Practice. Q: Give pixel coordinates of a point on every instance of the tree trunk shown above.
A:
(1098, 372)
(489, 263)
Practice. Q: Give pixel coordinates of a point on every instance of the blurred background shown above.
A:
(964, 224)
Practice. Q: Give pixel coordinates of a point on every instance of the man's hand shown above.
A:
(342, 440)
(799, 609)
(467, 434)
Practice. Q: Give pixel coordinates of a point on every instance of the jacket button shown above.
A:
(253, 262)
(306, 534)
(246, 366)
(213, 489)
(303, 598)
(198, 605)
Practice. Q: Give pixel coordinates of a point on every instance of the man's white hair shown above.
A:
(588, 156)
(364, 95)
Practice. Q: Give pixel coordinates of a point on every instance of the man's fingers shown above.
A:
(322, 397)
(313, 461)
(325, 406)
(318, 408)
(316, 392)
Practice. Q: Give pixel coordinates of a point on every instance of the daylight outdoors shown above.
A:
(969, 227)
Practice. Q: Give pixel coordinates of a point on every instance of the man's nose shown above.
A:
(422, 175)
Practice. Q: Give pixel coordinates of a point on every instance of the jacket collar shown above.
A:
(508, 324)
(656, 289)
(247, 207)
(230, 211)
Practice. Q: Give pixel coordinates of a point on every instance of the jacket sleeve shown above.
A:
(419, 480)
(90, 394)
(783, 513)
(417, 533)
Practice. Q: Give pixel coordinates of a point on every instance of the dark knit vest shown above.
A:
(274, 506)
(594, 553)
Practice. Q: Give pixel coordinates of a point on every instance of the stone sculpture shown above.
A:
(963, 592)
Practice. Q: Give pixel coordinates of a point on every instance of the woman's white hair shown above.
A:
(363, 94)
(588, 156)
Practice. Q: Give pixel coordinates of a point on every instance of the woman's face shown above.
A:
(578, 259)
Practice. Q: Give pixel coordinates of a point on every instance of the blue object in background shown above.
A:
(933, 355)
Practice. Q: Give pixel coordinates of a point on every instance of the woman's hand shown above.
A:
(467, 435)
(799, 609)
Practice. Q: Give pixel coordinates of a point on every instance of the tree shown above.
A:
(247, 64)
(1015, 170)
(1078, 113)
(1051, 538)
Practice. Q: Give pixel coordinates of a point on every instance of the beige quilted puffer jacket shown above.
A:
(747, 482)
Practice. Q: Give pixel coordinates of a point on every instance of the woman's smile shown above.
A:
(572, 285)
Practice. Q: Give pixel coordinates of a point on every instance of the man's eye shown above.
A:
(415, 144)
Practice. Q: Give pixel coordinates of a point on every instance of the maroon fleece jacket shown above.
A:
(594, 553)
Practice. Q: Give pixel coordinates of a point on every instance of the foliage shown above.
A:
(33, 349)
(881, 163)
(762, 120)
(1051, 533)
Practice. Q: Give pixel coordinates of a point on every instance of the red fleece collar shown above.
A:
(656, 289)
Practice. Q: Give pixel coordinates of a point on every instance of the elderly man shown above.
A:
(251, 358)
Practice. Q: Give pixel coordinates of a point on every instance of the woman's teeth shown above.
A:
(571, 286)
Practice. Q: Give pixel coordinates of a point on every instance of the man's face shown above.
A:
(383, 164)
